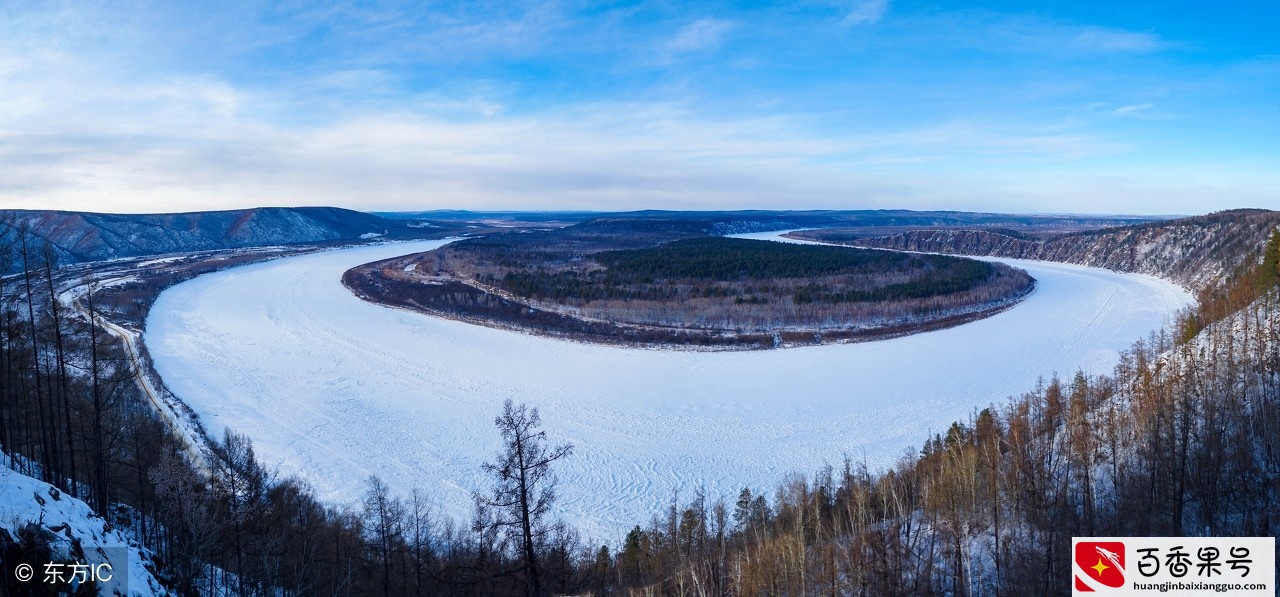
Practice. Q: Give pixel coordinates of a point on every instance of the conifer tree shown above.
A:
(524, 486)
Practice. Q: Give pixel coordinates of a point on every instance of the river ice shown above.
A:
(334, 389)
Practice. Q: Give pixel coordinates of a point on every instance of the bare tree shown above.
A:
(384, 522)
(419, 530)
(184, 508)
(524, 486)
(239, 484)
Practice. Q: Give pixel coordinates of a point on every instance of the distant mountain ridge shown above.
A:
(1197, 252)
(760, 220)
(86, 236)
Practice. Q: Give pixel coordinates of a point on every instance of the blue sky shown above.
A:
(1146, 107)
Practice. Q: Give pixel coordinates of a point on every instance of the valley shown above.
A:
(635, 299)
(332, 388)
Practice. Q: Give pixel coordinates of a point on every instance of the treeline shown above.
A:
(825, 305)
(949, 278)
(1198, 252)
(217, 521)
(67, 397)
(1247, 281)
(724, 259)
(1179, 440)
(730, 286)
(1182, 439)
(656, 272)
(388, 285)
(236, 528)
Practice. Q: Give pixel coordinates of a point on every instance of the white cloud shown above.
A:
(201, 94)
(602, 157)
(1131, 110)
(702, 34)
(865, 12)
(962, 141)
(1027, 34)
(1101, 39)
(86, 126)
(585, 156)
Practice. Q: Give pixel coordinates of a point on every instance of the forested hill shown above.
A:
(1198, 252)
(84, 236)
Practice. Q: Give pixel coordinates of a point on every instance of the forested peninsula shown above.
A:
(675, 287)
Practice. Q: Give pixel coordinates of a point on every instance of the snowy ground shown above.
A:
(25, 500)
(334, 389)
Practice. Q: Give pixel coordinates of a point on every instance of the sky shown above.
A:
(1139, 107)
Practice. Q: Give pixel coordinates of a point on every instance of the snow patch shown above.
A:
(26, 500)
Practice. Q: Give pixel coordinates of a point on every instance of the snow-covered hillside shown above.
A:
(80, 236)
(1197, 252)
(334, 389)
(77, 535)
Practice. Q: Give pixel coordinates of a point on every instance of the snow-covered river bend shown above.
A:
(334, 389)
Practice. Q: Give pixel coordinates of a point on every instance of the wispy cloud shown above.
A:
(204, 95)
(1131, 110)
(865, 12)
(702, 34)
(1028, 34)
(963, 141)
(614, 156)
(585, 156)
(543, 104)
(1100, 39)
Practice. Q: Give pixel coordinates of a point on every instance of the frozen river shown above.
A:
(334, 389)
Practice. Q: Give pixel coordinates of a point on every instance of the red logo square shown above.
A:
(1101, 563)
